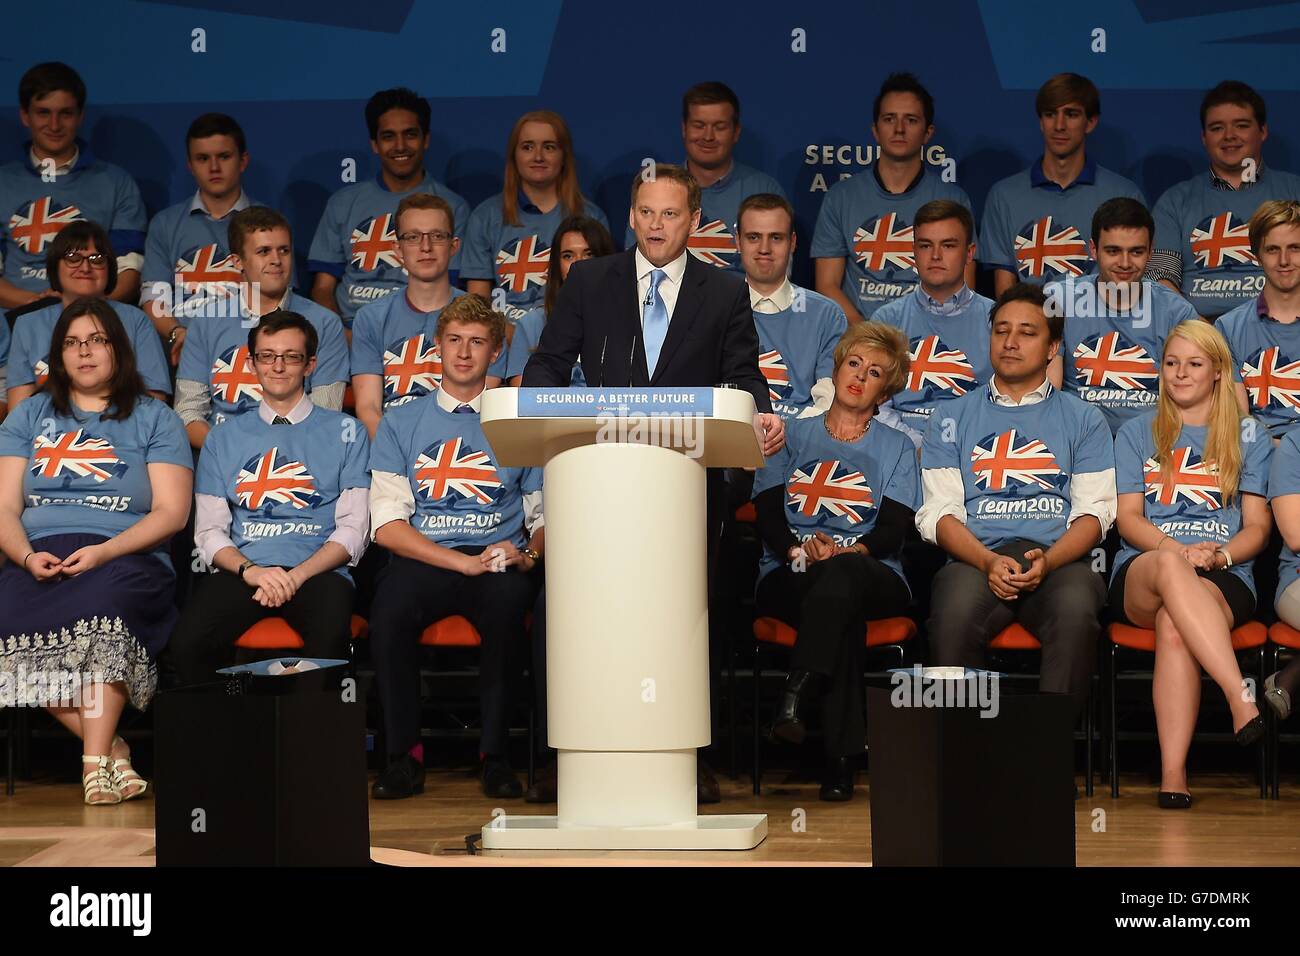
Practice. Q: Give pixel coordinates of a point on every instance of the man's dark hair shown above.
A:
(1028, 292)
(706, 94)
(904, 83)
(46, 78)
(215, 124)
(939, 210)
(75, 236)
(1238, 94)
(1122, 212)
(764, 202)
(253, 219)
(399, 98)
(278, 321)
(1066, 88)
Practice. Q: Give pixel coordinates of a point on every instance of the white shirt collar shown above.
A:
(266, 305)
(296, 415)
(1031, 398)
(778, 301)
(449, 404)
(673, 270)
(242, 203)
(61, 168)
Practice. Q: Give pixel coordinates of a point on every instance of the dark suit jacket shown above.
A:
(711, 338)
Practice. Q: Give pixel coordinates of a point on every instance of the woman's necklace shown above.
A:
(827, 423)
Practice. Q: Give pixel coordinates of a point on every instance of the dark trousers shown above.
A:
(410, 595)
(222, 608)
(829, 604)
(1063, 613)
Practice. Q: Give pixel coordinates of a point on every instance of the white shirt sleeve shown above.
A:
(128, 261)
(352, 521)
(193, 401)
(823, 393)
(211, 526)
(329, 396)
(944, 494)
(390, 499)
(1093, 493)
(533, 517)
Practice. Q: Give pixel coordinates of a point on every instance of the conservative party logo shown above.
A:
(452, 467)
(774, 369)
(837, 489)
(232, 378)
(204, 269)
(71, 455)
(711, 242)
(936, 368)
(884, 241)
(271, 479)
(35, 224)
(373, 242)
(1190, 481)
(412, 368)
(1043, 247)
(522, 265)
(1110, 360)
(1010, 461)
(1272, 378)
(1218, 243)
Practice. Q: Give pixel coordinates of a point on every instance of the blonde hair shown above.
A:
(569, 192)
(1270, 215)
(883, 338)
(1223, 437)
(474, 308)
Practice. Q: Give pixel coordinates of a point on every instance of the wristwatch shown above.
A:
(532, 554)
(244, 567)
(171, 336)
(1227, 558)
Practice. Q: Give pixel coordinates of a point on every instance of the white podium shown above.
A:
(626, 606)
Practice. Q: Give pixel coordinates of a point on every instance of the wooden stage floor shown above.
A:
(46, 824)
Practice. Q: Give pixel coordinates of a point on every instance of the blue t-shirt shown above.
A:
(1189, 507)
(797, 348)
(1284, 479)
(838, 487)
(282, 482)
(1017, 461)
(714, 242)
(1039, 231)
(871, 230)
(393, 339)
(33, 211)
(528, 332)
(86, 474)
(949, 354)
(1266, 359)
(514, 258)
(190, 243)
(354, 241)
(463, 498)
(1111, 359)
(215, 354)
(1209, 228)
(29, 356)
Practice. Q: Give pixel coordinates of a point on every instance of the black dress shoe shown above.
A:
(706, 784)
(403, 777)
(1172, 800)
(545, 786)
(837, 780)
(1251, 732)
(499, 780)
(789, 724)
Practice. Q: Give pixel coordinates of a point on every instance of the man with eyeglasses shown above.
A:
(281, 512)
(395, 356)
(80, 263)
(216, 380)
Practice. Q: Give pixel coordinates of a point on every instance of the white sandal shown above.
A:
(124, 774)
(99, 782)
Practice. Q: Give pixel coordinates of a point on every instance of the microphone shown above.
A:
(600, 372)
(631, 359)
(649, 296)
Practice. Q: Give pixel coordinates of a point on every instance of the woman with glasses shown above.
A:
(80, 262)
(95, 478)
(506, 236)
(578, 238)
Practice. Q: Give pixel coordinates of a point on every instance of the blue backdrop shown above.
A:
(297, 78)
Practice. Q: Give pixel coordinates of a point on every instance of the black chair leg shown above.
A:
(1274, 727)
(1088, 729)
(758, 741)
(732, 757)
(1263, 743)
(1113, 729)
(10, 729)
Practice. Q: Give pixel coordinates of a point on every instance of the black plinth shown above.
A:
(260, 779)
(952, 788)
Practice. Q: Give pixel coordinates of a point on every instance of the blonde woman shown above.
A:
(1192, 480)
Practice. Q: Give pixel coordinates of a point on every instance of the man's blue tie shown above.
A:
(464, 410)
(654, 325)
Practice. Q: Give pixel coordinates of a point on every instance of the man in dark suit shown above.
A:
(657, 316)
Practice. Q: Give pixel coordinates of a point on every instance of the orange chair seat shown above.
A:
(747, 513)
(454, 631)
(888, 630)
(1251, 634)
(1014, 638)
(274, 633)
(1284, 635)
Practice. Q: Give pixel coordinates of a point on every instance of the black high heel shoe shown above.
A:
(789, 725)
(837, 779)
(1173, 800)
(1250, 733)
